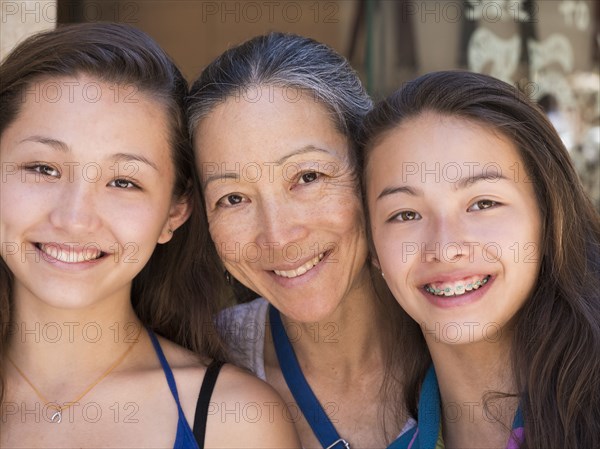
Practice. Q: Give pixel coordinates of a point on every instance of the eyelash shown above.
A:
(493, 204)
(132, 184)
(417, 216)
(394, 217)
(38, 167)
(223, 199)
(301, 176)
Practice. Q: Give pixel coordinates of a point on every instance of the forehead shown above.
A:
(86, 94)
(88, 114)
(439, 140)
(265, 124)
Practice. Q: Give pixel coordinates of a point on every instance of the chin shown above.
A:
(305, 312)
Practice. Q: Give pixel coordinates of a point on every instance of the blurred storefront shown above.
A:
(549, 48)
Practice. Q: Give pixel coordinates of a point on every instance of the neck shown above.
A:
(345, 344)
(69, 342)
(468, 376)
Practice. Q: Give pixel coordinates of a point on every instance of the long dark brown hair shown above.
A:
(288, 60)
(556, 344)
(175, 294)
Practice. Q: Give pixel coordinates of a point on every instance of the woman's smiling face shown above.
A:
(87, 192)
(455, 225)
(282, 201)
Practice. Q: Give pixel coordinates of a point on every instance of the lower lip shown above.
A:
(73, 266)
(446, 302)
(306, 277)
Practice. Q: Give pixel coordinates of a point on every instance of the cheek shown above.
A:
(227, 236)
(393, 262)
(405, 297)
(511, 244)
(379, 244)
(398, 256)
(395, 270)
(524, 255)
(394, 247)
(351, 229)
(20, 204)
(348, 213)
(134, 221)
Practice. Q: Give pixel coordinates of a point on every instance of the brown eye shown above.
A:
(44, 169)
(406, 215)
(483, 204)
(309, 177)
(234, 199)
(48, 171)
(123, 184)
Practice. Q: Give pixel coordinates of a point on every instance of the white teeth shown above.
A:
(457, 288)
(301, 269)
(70, 255)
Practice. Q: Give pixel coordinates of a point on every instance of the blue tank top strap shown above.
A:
(310, 406)
(427, 434)
(184, 439)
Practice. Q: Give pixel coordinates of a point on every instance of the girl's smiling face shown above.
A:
(87, 191)
(455, 224)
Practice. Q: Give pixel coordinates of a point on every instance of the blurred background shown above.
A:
(549, 48)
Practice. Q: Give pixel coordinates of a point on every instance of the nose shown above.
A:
(281, 224)
(445, 241)
(75, 212)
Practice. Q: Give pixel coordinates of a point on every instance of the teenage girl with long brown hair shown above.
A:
(486, 238)
(106, 292)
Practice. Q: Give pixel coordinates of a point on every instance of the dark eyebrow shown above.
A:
(63, 147)
(129, 157)
(460, 184)
(400, 189)
(468, 182)
(55, 144)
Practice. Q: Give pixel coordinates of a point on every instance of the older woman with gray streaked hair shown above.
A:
(274, 124)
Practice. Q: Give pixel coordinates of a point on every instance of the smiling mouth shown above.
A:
(70, 255)
(457, 288)
(303, 269)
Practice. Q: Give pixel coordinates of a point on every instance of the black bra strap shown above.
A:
(208, 384)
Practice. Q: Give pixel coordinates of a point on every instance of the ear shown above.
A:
(375, 262)
(178, 214)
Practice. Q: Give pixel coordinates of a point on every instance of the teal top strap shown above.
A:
(427, 432)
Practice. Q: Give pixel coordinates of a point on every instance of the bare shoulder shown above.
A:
(244, 411)
(236, 383)
(247, 412)
(180, 357)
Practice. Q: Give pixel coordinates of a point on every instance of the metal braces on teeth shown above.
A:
(459, 289)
